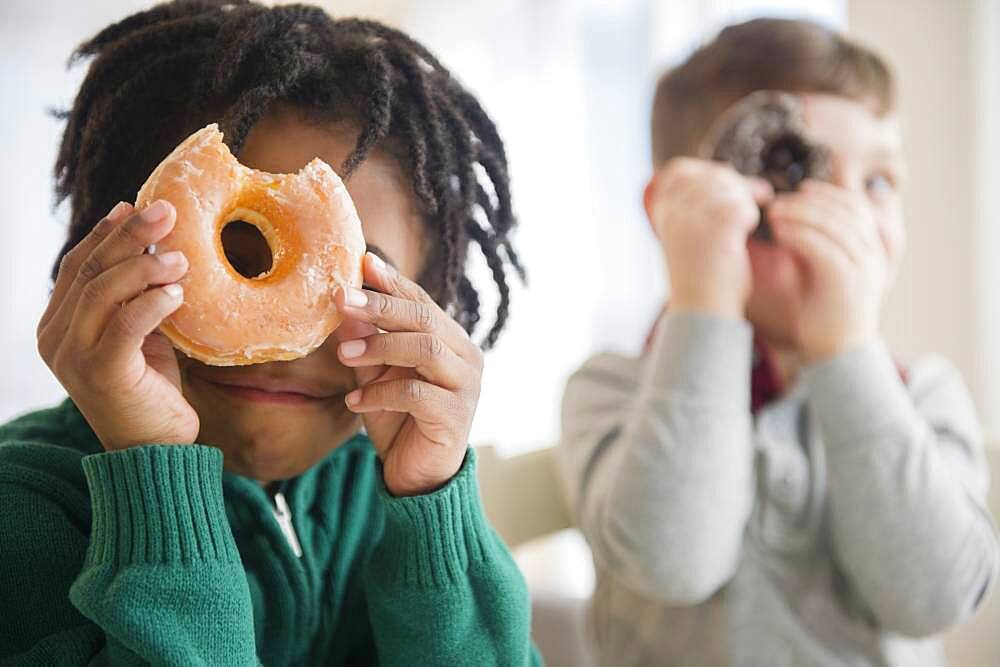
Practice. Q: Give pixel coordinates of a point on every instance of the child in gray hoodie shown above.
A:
(764, 485)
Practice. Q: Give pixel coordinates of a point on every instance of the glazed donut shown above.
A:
(311, 228)
(764, 134)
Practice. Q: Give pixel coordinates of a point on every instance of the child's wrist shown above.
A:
(410, 489)
(408, 485)
(724, 306)
(823, 351)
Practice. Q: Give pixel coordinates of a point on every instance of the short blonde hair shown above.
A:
(762, 54)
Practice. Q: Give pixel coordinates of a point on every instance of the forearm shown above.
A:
(162, 576)
(910, 533)
(665, 507)
(442, 587)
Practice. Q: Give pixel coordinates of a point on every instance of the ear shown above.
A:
(649, 199)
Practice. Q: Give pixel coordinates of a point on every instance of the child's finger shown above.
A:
(141, 230)
(821, 188)
(130, 238)
(102, 297)
(819, 217)
(389, 313)
(816, 248)
(392, 313)
(387, 279)
(849, 205)
(351, 329)
(70, 264)
(137, 319)
(426, 353)
(835, 198)
(427, 403)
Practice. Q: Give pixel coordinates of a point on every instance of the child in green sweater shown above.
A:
(316, 511)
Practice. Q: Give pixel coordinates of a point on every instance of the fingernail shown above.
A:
(174, 290)
(353, 398)
(154, 212)
(172, 258)
(377, 261)
(118, 212)
(352, 349)
(355, 298)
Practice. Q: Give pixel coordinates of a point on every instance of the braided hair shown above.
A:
(158, 75)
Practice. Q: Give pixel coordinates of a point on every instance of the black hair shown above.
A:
(160, 74)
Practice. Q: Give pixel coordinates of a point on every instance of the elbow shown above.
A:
(953, 600)
(921, 624)
(690, 586)
(676, 572)
(935, 614)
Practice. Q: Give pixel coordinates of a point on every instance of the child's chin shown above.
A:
(270, 450)
(775, 303)
(273, 461)
(775, 269)
(264, 471)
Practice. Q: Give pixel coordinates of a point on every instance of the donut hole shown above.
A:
(246, 249)
(787, 161)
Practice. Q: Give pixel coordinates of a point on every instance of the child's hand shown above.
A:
(834, 232)
(703, 212)
(418, 381)
(97, 332)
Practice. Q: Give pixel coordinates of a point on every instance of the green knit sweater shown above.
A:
(155, 554)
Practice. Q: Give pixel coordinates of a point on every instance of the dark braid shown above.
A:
(158, 75)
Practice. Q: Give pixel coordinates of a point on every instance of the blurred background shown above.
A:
(569, 83)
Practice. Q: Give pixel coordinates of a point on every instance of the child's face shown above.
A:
(275, 420)
(867, 159)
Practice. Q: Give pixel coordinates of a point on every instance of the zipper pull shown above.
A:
(284, 517)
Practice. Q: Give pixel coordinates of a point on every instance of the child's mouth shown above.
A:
(262, 396)
(272, 390)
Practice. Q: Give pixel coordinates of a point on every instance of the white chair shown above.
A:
(522, 494)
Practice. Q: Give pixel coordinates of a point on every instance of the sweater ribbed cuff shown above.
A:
(158, 503)
(433, 539)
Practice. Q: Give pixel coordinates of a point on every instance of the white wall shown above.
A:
(986, 22)
(941, 303)
(35, 42)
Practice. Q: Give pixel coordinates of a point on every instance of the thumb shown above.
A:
(160, 356)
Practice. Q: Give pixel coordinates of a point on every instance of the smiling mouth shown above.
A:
(272, 392)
